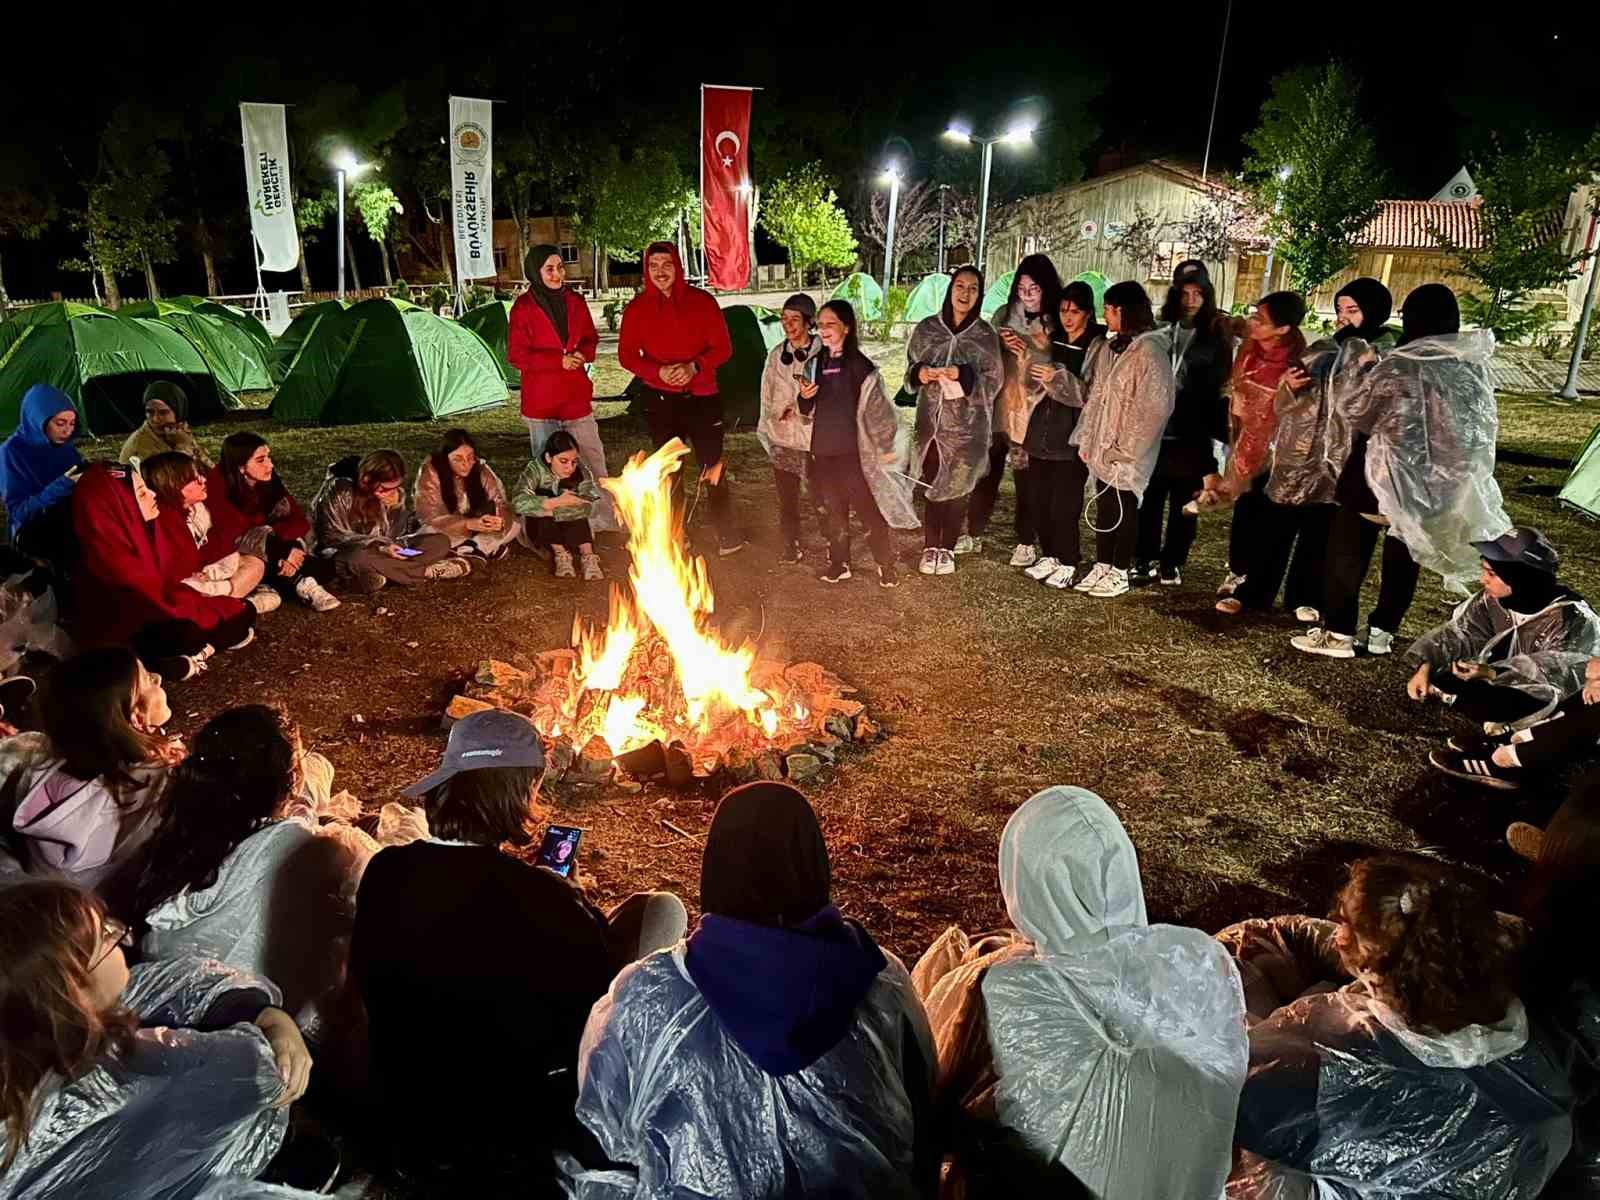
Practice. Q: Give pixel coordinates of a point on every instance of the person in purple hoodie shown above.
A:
(776, 1052)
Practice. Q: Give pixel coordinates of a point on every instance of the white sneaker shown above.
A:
(563, 561)
(1113, 583)
(1061, 577)
(930, 562)
(1230, 585)
(1326, 643)
(967, 544)
(947, 563)
(1043, 569)
(1307, 615)
(591, 568)
(318, 597)
(264, 600)
(1093, 578)
(1024, 555)
(1379, 642)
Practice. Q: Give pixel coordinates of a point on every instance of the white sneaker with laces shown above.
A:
(1326, 643)
(264, 600)
(1378, 641)
(930, 562)
(591, 568)
(1093, 578)
(1024, 555)
(1307, 615)
(967, 544)
(947, 563)
(1043, 569)
(1061, 578)
(314, 594)
(1113, 583)
(1230, 585)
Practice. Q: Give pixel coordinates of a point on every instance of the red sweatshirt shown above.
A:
(230, 522)
(550, 392)
(687, 326)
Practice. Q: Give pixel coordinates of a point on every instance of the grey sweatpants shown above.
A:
(373, 567)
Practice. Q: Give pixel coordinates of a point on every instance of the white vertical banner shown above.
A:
(472, 199)
(266, 177)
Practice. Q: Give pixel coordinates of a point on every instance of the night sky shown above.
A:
(1435, 83)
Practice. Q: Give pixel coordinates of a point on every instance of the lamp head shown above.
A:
(890, 175)
(346, 162)
(1020, 132)
(958, 133)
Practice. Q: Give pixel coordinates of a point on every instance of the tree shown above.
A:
(916, 222)
(628, 203)
(376, 203)
(802, 213)
(27, 206)
(1313, 168)
(1525, 188)
(123, 225)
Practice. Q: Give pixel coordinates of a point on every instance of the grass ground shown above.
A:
(1247, 774)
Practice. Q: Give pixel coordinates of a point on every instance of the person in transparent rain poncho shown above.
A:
(1390, 1055)
(784, 433)
(1093, 1041)
(953, 363)
(1422, 431)
(776, 1052)
(162, 1081)
(459, 495)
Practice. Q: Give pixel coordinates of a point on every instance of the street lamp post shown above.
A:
(1569, 390)
(344, 165)
(943, 188)
(891, 176)
(1016, 135)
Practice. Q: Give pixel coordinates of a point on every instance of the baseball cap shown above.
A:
(1521, 544)
(802, 304)
(492, 738)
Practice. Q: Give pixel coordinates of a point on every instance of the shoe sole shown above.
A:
(1346, 653)
(730, 551)
(1488, 781)
(888, 584)
(836, 579)
(1110, 595)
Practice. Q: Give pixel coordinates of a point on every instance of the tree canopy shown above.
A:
(801, 212)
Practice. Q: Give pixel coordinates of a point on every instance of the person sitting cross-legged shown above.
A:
(213, 568)
(39, 467)
(776, 1052)
(460, 496)
(363, 524)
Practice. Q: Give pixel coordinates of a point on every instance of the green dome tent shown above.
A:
(492, 322)
(926, 299)
(246, 323)
(1098, 284)
(387, 360)
(287, 348)
(864, 294)
(997, 295)
(235, 358)
(753, 332)
(1582, 489)
(104, 361)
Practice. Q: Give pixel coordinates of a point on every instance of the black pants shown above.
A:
(981, 503)
(547, 531)
(1056, 501)
(1116, 520)
(941, 519)
(1245, 528)
(1288, 539)
(698, 421)
(788, 484)
(1568, 733)
(1483, 701)
(311, 567)
(1351, 540)
(169, 639)
(1167, 494)
(844, 487)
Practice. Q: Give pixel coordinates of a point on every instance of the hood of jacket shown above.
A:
(28, 455)
(787, 996)
(1068, 872)
(679, 286)
(75, 825)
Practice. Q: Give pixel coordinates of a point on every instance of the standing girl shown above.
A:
(782, 430)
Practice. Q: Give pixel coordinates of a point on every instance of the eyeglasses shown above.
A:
(389, 489)
(113, 933)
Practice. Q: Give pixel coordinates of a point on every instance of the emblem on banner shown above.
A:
(471, 141)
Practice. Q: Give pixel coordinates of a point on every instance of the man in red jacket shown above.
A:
(674, 338)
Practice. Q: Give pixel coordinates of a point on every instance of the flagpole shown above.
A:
(700, 156)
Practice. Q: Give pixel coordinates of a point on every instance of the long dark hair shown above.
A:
(846, 313)
(560, 442)
(1131, 298)
(85, 708)
(242, 771)
(380, 466)
(1042, 271)
(477, 498)
(947, 311)
(1562, 900)
(245, 494)
(1205, 321)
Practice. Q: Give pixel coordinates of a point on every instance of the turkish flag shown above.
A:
(725, 186)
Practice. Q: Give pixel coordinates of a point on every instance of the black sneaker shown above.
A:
(888, 577)
(1473, 745)
(1142, 573)
(791, 554)
(1170, 576)
(1481, 771)
(835, 574)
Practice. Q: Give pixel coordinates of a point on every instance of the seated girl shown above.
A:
(214, 568)
(39, 466)
(364, 526)
(555, 497)
(460, 496)
(252, 510)
(82, 795)
(129, 591)
(1389, 1052)
(159, 1081)
(229, 874)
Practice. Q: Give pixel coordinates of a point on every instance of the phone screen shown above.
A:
(408, 552)
(559, 850)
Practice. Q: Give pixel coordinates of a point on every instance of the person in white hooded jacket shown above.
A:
(1099, 1042)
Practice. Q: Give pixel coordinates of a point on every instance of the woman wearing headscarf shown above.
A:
(1119, 434)
(1088, 1030)
(164, 428)
(1422, 431)
(39, 467)
(551, 339)
(954, 364)
(1026, 325)
(777, 1051)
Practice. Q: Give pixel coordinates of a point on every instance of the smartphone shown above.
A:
(408, 551)
(559, 850)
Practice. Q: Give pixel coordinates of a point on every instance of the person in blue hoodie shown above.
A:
(776, 1052)
(38, 467)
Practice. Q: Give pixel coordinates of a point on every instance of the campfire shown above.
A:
(656, 690)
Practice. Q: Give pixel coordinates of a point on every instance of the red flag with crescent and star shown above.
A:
(725, 185)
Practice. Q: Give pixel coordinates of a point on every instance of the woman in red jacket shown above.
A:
(253, 511)
(551, 341)
(129, 590)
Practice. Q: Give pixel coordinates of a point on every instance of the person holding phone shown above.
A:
(362, 522)
(555, 497)
(782, 430)
(39, 466)
(460, 496)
